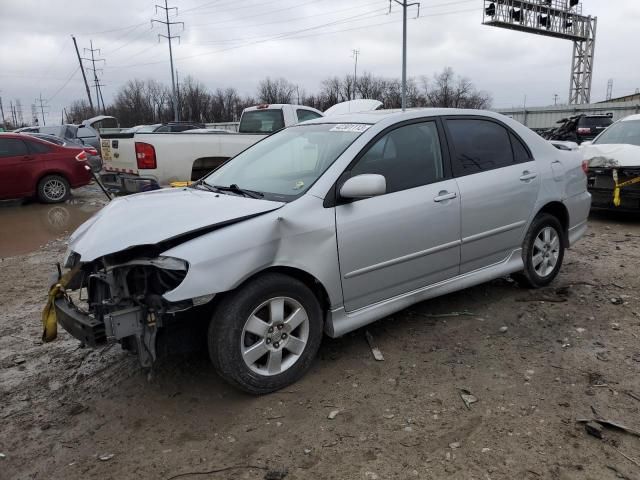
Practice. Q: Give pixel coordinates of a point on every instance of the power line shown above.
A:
(169, 37)
(64, 84)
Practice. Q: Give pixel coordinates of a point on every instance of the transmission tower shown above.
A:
(610, 89)
(169, 37)
(4, 121)
(43, 105)
(553, 18)
(96, 82)
(18, 110)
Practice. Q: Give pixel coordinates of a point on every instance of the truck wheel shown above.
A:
(265, 335)
(53, 189)
(543, 252)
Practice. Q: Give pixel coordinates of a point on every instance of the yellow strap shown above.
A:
(618, 186)
(49, 320)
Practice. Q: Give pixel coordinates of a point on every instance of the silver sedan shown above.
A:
(326, 227)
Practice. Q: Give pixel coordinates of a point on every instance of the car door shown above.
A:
(499, 184)
(409, 237)
(15, 165)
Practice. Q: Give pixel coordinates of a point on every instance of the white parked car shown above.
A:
(325, 227)
(614, 166)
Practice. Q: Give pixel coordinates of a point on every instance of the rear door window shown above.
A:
(12, 147)
(478, 146)
(588, 122)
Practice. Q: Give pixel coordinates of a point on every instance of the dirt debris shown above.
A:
(182, 419)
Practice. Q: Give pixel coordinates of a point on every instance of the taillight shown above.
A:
(82, 156)
(584, 131)
(585, 167)
(145, 156)
(91, 151)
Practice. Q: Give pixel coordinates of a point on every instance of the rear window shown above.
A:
(37, 147)
(589, 122)
(261, 121)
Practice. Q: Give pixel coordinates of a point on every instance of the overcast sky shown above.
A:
(238, 42)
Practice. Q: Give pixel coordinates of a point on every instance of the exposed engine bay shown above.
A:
(120, 296)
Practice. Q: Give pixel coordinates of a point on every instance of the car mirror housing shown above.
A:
(364, 186)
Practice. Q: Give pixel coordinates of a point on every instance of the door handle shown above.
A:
(444, 196)
(526, 176)
(28, 157)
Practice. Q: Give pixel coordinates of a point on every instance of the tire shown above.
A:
(536, 273)
(53, 189)
(244, 336)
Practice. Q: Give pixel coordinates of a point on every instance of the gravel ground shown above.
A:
(536, 361)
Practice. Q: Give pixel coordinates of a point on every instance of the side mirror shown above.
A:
(364, 186)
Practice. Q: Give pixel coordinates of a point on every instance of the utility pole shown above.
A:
(84, 76)
(95, 70)
(18, 110)
(555, 99)
(42, 105)
(178, 91)
(169, 37)
(354, 54)
(404, 5)
(4, 122)
(13, 115)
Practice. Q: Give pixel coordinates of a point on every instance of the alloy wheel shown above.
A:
(546, 251)
(274, 336)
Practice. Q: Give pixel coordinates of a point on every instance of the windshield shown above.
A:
(621, 132)
(284, 165)
(261, 121)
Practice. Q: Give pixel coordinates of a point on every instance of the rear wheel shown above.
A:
(265, 336)
(53, 189)
(543, 252)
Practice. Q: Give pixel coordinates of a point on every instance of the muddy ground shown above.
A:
(68, 412)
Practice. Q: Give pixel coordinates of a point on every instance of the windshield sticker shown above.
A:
(350, 127)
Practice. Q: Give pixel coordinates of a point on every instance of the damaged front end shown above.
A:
(120, 296)
(614, 187)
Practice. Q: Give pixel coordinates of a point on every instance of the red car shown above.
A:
(31, 167)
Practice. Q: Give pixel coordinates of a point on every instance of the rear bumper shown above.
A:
(80, 325)
(126, 183)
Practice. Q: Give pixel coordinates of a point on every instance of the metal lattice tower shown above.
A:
(552, 18)
(610, 89)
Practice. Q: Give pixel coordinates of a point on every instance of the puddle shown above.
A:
(26, 227)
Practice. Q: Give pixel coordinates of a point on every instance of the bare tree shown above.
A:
(276, 91)
(450, 91)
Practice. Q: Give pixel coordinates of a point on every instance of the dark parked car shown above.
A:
(31, 167)
(93, 157)
(579, 128)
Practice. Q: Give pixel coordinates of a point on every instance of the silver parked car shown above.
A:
(325, 227)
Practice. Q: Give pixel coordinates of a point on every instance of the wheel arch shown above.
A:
(559, 211)
(306, 278)
(47, 173)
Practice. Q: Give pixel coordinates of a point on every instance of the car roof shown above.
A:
(377, 116)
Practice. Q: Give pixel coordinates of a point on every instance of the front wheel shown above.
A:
(543, 252)
(264, 336)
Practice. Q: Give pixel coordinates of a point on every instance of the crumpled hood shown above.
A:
(150, 218)
(615, 155)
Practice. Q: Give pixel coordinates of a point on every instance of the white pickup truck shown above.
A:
(135, 162)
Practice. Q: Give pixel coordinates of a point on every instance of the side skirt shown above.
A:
(340, 322)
